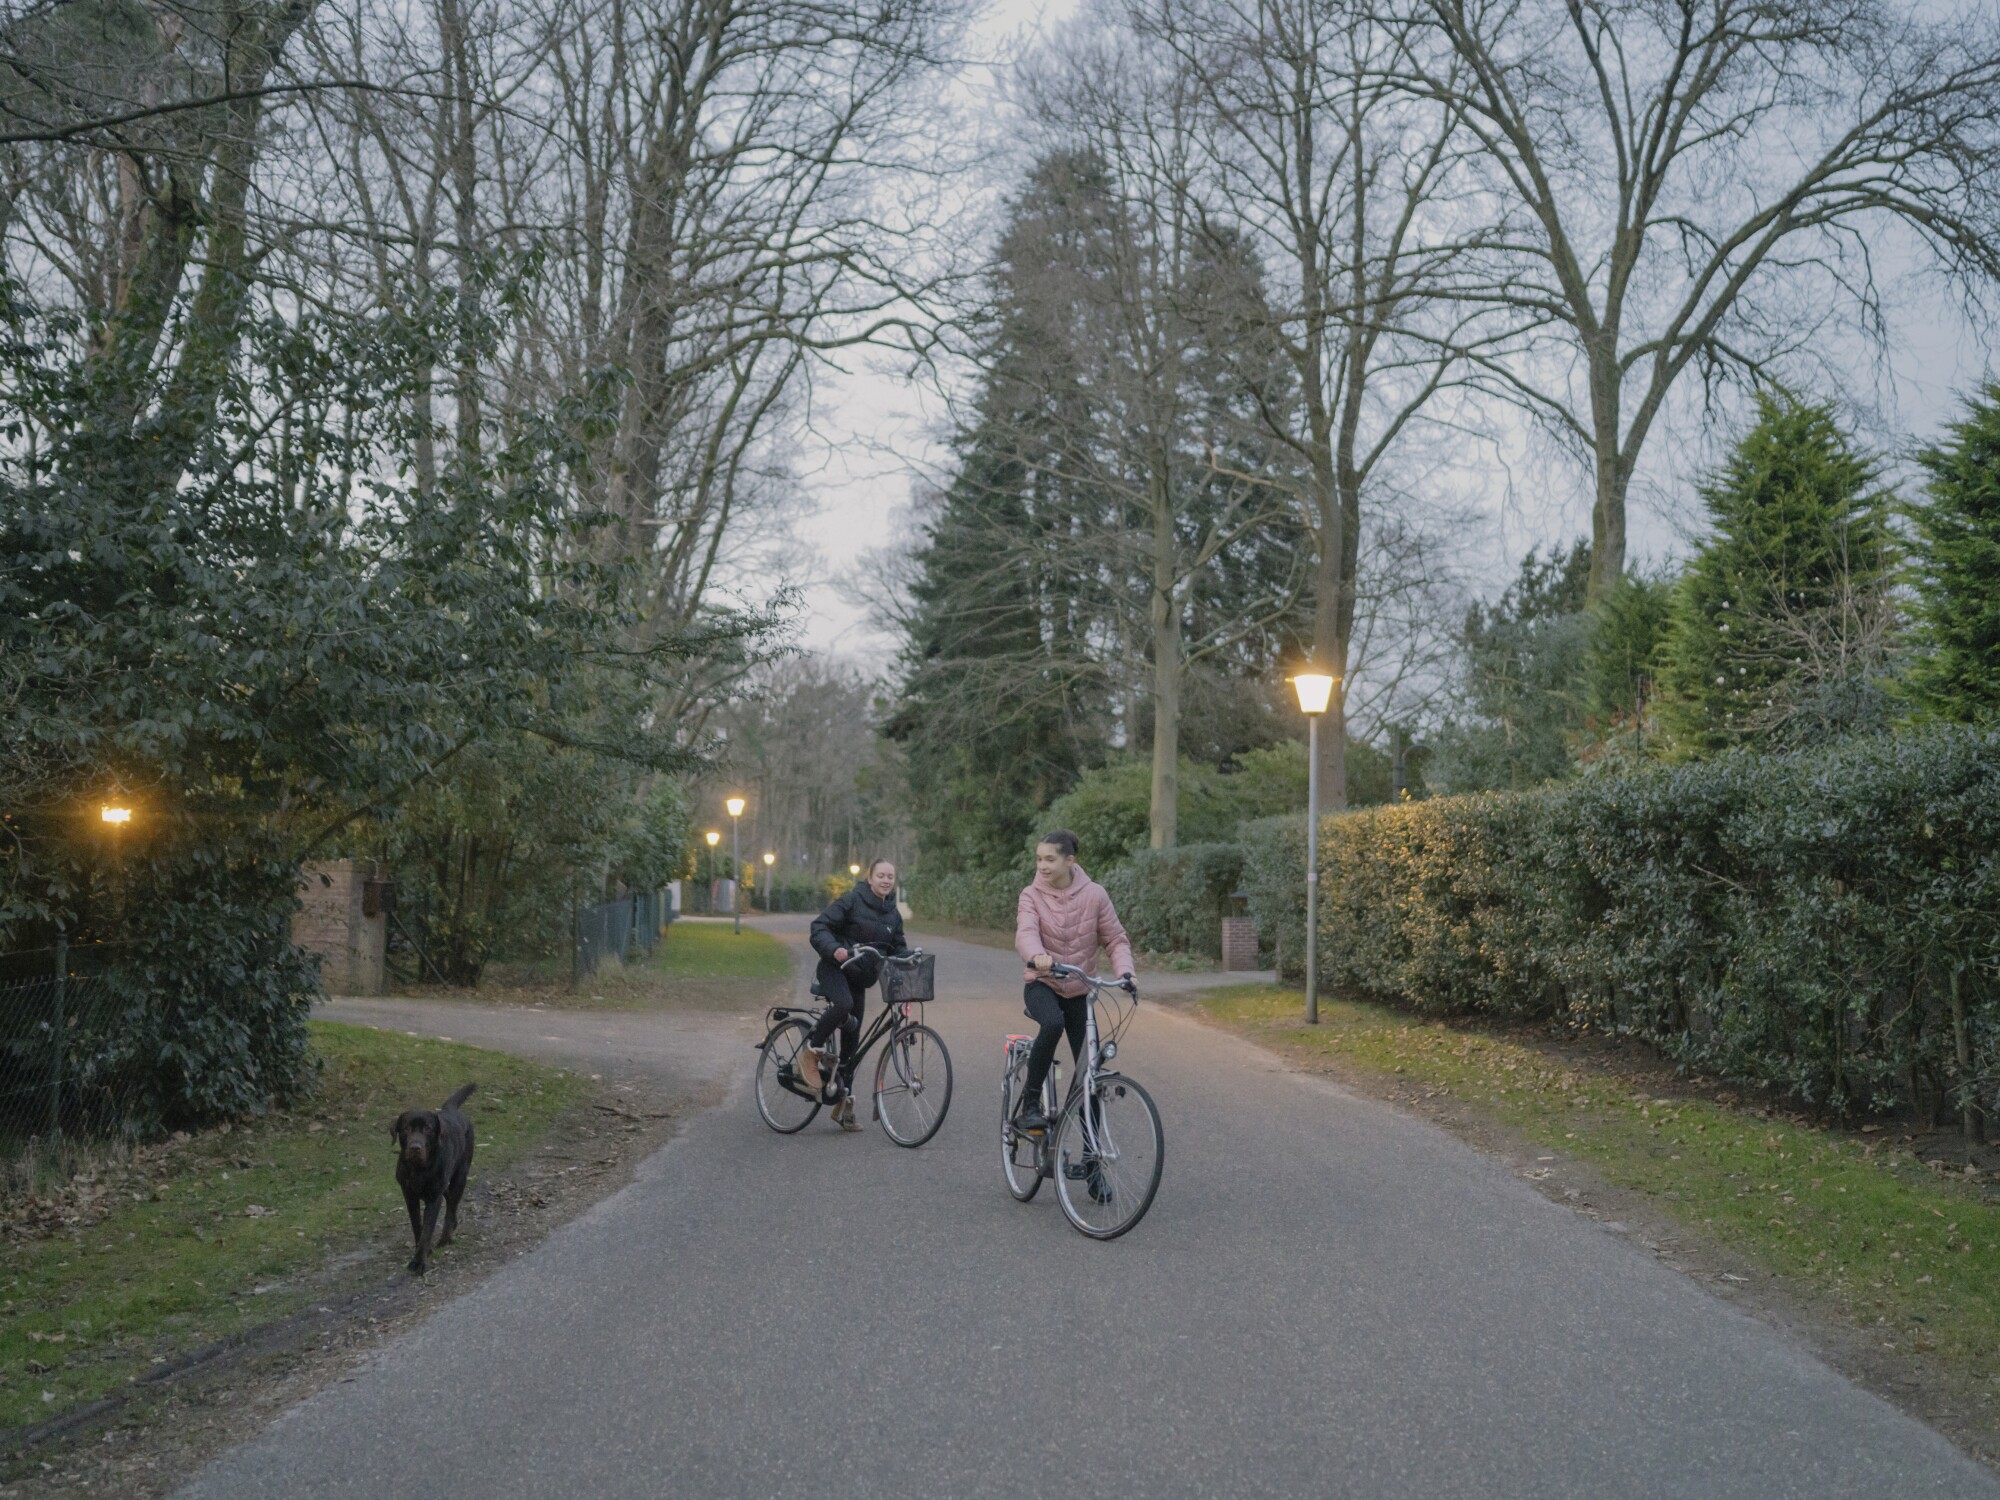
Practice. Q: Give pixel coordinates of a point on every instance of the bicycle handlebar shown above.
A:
(1071, 971)
(888, 958)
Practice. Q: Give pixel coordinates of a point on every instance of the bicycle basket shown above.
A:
(911, 981)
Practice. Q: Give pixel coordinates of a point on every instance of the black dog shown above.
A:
(433, 1156)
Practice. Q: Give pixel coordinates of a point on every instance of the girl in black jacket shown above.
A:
(866, 914)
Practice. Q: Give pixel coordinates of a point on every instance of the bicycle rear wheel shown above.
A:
(1106, 1184)
(912, 1085)
(784, 1110)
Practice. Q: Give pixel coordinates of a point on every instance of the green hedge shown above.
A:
(1174, 900)
(1800, 921)
(976, 898)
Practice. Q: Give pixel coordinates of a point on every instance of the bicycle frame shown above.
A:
(1090, 1068)
(892, 1018)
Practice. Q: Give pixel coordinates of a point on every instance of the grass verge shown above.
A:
(205, 1237)
(709, 950)
(700, 963)
(1900, 1248)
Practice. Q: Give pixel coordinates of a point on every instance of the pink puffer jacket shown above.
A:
(1069, 925)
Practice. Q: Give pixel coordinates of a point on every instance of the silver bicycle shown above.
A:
(1105, 1148)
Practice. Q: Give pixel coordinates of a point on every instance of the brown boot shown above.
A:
(807, 1062)
(844, 1113)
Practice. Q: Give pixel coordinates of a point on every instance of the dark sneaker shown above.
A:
(1031, 1122)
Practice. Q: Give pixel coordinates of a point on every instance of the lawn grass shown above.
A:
(709, 950)
(1899, 1246)
(214, 1234)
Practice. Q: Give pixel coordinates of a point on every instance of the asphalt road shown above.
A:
(1328, 1299)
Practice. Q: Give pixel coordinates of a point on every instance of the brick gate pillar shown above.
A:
(338, 920)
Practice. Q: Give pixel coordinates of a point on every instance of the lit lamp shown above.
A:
(713, 838)
(114, 814)
(769, 860)
(855, 871)
(735, 806)
(1315, 690)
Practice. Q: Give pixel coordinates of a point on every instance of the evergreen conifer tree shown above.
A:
(1957, 575)
(1779, 630)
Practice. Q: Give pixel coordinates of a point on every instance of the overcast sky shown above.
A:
(872, 435)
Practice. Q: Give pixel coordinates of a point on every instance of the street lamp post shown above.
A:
(1315, 690)
(713, 838)
(735, 806)
(769, 860)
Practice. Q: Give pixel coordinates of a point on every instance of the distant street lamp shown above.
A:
(114, 814)
(713, 838)
(855, 871)
(1315, 690)
(769, 860)
(735, 806)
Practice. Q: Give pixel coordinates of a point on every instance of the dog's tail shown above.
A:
(460, 1097)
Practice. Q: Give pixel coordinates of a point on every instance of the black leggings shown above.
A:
(1056, 1014)
(845, 1002)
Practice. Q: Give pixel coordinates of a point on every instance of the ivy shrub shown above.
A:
(977, 898)
(1821, 923)
(1174, 900)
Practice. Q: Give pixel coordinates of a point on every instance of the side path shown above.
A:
(1328, 1299)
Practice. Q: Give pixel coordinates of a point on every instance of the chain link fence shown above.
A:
(626, 928)
(63, 1088)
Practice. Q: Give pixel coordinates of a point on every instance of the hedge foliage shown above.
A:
(1174, 900)
(976, 898)
(1823, 923)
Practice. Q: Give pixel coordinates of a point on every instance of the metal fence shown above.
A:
(62, 1083)
(625, 928)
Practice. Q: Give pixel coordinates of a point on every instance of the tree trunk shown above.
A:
(1614, 473)
(1166, 631)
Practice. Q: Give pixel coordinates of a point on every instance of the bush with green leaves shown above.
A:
(1174, 900)
(221, 601)
(973, 897)
(1820, 923)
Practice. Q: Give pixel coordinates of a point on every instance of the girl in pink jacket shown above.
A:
(1063, 917)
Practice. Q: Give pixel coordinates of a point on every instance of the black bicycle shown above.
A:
(912, 1077)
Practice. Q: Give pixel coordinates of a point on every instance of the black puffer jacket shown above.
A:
(860, 916)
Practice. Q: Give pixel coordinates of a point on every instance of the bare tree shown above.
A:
(1344, 183)
(1701, 184)
(1154, 299)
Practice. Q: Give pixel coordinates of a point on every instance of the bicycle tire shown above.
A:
(1020, 1161)
(1128, 1175)
(907, 1075)
(781, 1109)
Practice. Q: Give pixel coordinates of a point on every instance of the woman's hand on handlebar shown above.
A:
(1043, 962)
(840, 955)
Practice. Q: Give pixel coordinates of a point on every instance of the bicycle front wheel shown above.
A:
(912, 1085)
(1019, 1158)
(783, 1099)
(1108, 1166)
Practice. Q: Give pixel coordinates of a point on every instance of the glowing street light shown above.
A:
(110, 814)
(1315, 690)
(855, 871)
(736, 806)
(770, 859)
